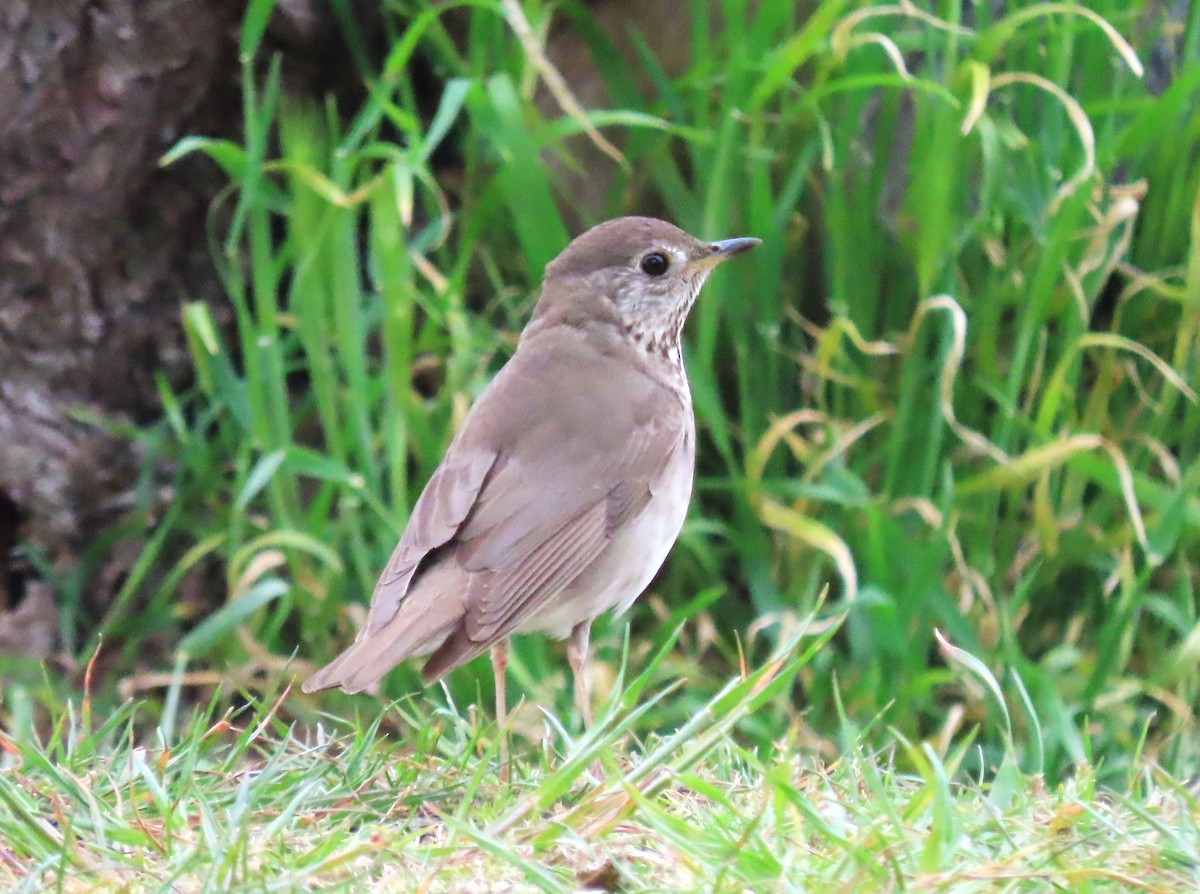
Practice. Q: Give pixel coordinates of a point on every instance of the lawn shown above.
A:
(250, 801)
(933, 620)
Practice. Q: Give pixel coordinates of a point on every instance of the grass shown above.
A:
(955, 389)
(247, 800)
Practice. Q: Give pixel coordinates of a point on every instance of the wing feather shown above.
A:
(439, 513)
(498, 600)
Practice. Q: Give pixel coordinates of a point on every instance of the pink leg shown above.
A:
(499, 672)
(577, 651)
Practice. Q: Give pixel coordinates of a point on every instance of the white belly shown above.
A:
(632, 558)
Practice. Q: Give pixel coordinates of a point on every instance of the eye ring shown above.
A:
(655, 264)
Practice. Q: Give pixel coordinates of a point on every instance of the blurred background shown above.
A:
(258, 259)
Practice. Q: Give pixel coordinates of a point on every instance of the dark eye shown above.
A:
(655, 263)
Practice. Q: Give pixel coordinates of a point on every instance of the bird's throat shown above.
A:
(660, 334)
(660, 339)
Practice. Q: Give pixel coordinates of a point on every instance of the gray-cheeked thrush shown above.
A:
(568, 482)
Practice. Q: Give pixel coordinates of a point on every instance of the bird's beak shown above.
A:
(724, 250)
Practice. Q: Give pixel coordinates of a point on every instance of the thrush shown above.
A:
(567, 483)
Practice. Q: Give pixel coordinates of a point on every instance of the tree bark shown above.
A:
(98, 245)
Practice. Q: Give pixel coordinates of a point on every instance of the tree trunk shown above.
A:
(98, 245)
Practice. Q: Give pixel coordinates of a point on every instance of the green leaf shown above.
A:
(220, 623)
(453, 96)
(254, 25)
(230, 156)
(795, 52)
(264, 470)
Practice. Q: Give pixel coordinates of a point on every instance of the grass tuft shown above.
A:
(246, 800)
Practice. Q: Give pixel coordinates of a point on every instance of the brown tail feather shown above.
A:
(455, 650)
(429, 615)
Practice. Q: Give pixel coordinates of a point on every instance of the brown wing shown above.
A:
(526, 548)
(440, 510)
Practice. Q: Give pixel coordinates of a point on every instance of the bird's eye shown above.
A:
(655, 263)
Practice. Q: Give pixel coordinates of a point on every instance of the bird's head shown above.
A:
(640, 272)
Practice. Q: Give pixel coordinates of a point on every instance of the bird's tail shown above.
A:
(429, 613)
